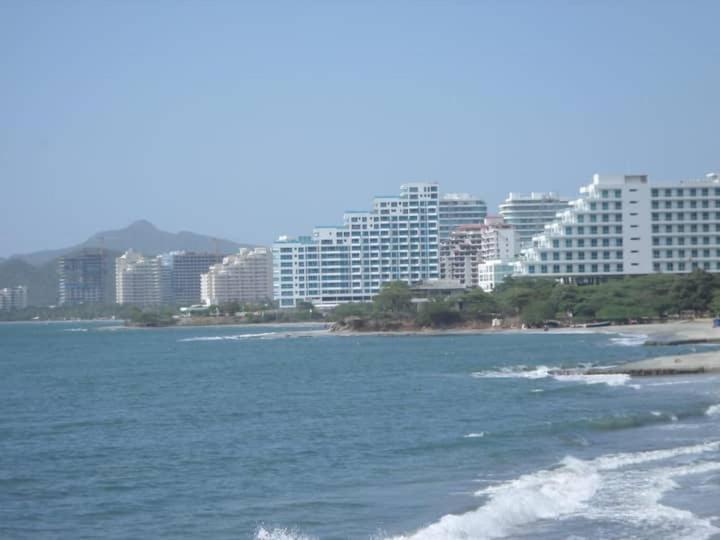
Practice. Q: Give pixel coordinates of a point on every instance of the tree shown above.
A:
(393, 299)
(437, 313)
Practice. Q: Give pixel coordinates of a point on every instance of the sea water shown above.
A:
(292, 433)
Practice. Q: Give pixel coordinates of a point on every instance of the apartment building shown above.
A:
(85, 278)
(396, 240)
(528, 213)
(186, 271)
(13, 298)
(622, 225)
(456, 209)
(142, 281)
(244, 277)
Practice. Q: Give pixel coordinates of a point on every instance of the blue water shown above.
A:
(286, 433)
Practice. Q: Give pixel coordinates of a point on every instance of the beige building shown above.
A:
(244, 277)
(142, 281)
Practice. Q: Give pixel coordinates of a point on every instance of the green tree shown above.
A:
(394, 298)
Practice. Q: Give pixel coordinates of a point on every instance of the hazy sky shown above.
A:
(249, 120)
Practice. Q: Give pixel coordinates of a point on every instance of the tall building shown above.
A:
(396, 240)
(244, 277)
(621, 225)
(457, 209)
(499, 240)
(13, 298)
(469, 245)
(186, 271)
(460, 254)
(84, 278)
(530, 212)
(142, 281)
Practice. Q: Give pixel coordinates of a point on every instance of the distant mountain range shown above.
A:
(142, 236)
(38, 270)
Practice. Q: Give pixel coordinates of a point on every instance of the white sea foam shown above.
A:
(543, 495)
(602, 488)
(280, 534)
(233, 337)
(542, 372)
(76, 330)
(713, 410)
(629, 340)
(474, 435)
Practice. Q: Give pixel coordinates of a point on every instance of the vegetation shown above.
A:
(536, 302)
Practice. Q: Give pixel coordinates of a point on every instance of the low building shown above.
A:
(142, 281)
(12, 298)
(244, 277)
(493, 273)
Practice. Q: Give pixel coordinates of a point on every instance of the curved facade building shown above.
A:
(528, 213)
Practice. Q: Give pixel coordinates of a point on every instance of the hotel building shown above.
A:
(457, 209)
(142, 281)
(396, 240)
(84, 278)
(622, 225)
(187, 269)
(13, 298)
(244, 277)
(530, 212)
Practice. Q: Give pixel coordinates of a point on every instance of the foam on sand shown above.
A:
(602, 488)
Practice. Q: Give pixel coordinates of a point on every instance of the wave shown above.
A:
(600, 488)
(260, 335)
(713, 410)
(474, 435)
(542, 372)
(234, 337)
(280, 534)
(629, 340)
(75, 330)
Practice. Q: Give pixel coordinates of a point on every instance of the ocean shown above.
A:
(290, 433)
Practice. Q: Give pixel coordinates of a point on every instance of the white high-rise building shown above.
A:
(621, 225)
(530, 212)
(396, 240)
(142, 281)
(500, 240)
(244, 277)
(13, 298)
(457, 209)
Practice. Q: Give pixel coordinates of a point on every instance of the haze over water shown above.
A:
(281, 433)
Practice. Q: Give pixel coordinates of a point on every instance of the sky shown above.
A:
(249, 120)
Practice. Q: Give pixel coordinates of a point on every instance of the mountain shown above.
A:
(39, 270)
(41, 281)
(142, 236)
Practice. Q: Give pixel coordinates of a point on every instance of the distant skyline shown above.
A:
(250, 120)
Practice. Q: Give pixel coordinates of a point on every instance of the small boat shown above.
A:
(597, 324)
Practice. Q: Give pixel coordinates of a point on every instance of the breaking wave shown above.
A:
(600, 488)
(713, 410)
(542, 372)
(629, 340)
